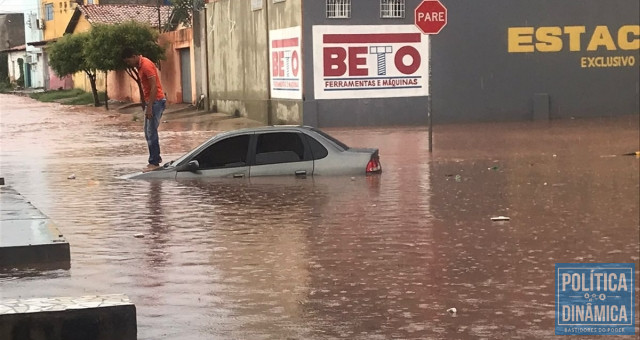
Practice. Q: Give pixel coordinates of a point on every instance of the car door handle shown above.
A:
(301, 172)
(238, 175)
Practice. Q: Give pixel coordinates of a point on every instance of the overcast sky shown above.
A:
(15, 6)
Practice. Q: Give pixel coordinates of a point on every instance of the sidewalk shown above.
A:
(187, 113)
(174, 112)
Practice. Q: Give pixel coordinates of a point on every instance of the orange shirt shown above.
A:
(147, 69)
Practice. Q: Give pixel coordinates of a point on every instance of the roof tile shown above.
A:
(116, 14)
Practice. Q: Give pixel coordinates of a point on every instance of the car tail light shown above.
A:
(374, 165)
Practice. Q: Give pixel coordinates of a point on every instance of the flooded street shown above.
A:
(379, 257)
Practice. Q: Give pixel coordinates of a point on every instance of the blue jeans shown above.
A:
(151, 131)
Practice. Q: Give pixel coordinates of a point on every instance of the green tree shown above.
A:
(182, 13)
(66, 57)
(104, 49)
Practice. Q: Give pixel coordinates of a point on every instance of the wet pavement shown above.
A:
(321, 258)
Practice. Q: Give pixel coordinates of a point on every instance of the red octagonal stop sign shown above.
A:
(430, 16)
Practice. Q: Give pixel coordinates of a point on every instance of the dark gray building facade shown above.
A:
(11, 30)
(498, 60)
(514, 60)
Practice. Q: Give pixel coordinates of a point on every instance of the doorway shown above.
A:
(185, 74)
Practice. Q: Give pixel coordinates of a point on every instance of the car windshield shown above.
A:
(335, 141)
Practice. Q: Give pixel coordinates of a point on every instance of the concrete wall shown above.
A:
(200, 57)
(102, 317)
(359, 111)
(476, 78)
(11, 30)
(238, 58)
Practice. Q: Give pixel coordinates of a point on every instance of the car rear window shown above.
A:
(318, 151)
(335, 141)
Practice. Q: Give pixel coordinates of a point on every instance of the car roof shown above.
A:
(267, 128)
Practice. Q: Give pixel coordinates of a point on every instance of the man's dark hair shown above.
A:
(127, 52)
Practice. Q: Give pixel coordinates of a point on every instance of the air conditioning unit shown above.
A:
(40, 24)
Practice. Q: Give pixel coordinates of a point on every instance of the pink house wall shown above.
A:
(122, 87)
(56, 82)
(170, 68)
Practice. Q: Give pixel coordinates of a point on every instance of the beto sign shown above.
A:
(430, 16)
(369, 61)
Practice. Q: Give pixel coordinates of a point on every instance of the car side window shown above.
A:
(318, 151)
(227, 153)
(279, 147)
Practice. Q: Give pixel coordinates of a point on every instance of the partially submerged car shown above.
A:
(269, 151)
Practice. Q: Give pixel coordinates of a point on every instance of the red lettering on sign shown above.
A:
(295, 64)
(399, 60)
(355, 61)
(334, 61)
(336, 65)
(276, 64)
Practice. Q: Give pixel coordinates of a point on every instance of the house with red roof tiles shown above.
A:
(175, 71)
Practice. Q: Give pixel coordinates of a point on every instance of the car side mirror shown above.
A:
(192, 166)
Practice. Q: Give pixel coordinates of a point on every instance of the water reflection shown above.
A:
(159, 232)
(360, 258)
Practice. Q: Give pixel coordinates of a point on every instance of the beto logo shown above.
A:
(595, 298)
(369, 62)
(285, 60)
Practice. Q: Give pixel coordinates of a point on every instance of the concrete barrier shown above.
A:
(105, 317)
(27, 236)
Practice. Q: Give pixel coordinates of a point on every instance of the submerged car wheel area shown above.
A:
(270, 151)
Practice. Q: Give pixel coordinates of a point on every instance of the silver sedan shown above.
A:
(269, 151)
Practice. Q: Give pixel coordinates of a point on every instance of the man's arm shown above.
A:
(152, 96)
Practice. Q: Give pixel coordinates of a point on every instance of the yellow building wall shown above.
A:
(81, 81)
(83, 25)
(62, 12)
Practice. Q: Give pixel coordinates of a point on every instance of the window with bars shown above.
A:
(392, 8)
(338, 8)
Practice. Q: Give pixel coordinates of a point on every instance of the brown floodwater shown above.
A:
(379, 257)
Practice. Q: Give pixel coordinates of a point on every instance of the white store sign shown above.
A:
(370, 61)
(285, 61)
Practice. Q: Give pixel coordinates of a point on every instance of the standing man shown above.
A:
(154, 102)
